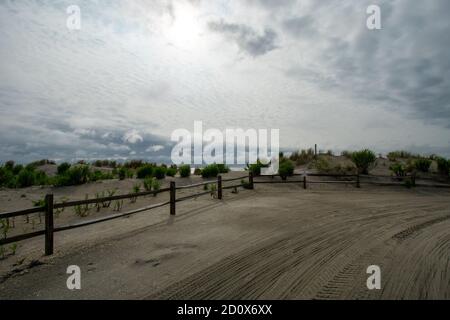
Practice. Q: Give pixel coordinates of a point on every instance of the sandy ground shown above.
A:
(276, 242)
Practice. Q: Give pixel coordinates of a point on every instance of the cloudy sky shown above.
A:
(137, 70)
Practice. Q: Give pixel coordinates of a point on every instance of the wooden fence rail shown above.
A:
(50, 206)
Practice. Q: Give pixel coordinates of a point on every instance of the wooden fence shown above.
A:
(50, 206)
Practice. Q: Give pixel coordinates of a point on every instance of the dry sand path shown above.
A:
(277, 242)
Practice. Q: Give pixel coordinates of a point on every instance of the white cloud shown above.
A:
(155, 148)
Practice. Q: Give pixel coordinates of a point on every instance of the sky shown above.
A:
(137, 70)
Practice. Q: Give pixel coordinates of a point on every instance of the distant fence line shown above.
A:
(49, 205)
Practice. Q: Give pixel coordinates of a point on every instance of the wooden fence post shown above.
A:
(172, 198)
(250, 180)
(358, 185)
(219, 187)
(49, 224)
(304, 182)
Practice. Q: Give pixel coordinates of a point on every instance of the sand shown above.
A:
(276, 242)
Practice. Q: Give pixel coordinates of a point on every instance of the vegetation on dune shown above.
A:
(422, 164)
(322, 165)
(210, 171)
(363, 160)
(171, 172)
(75, 175)
(223, 168)
(105, 163)
(398, 169)
(14, 175)
(302, 157)
(159, 172)
(443, 166)
(185, 171)
(286, 168)
(148, 183)
(18, 176)
(156, 185)
(400, 154)
(255, 168)
(144, 171)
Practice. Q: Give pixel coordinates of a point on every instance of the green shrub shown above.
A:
(286, 169)
(159, 172)
(197, 171)
(122, 173)
(443, 166)
(223, 168)
(97, 163)
(16, 170)
(63, 167)
(363, 160)
(210, 171)
(422, 164)
(171, 172)
(255, 168)
(129, 173)
(148, 183)
(398, 169)
(185, 171)
(144, 171)
(98, 175)
(41, 178)
(25, 178)
(6, 177)
(156, 185)
(75, 175)
(136, 188)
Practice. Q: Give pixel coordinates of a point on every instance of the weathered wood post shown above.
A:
(49, 224)
(250, 180)
(358, 185)
(219, 187)
(172, 198)
(304, 181)
(413, 179)
(315, 151)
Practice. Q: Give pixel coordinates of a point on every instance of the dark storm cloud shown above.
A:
(68, 144)
(247, 39)
(406, 65)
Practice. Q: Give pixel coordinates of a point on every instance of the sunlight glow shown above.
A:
(184, 30)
